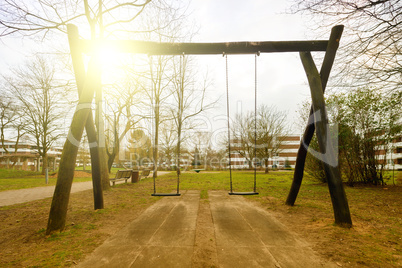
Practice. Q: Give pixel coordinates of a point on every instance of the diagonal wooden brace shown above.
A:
(58, 209)
(79, 71)
(326, 67)
(328, 156)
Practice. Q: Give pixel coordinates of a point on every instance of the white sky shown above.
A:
(281, 78)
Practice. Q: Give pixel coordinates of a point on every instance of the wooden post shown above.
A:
(328, 157)
(308, 134)
(58, 209)
(79, 70)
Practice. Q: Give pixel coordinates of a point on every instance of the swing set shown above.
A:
(317, 82)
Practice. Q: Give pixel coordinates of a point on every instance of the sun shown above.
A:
(116, 67)
(113, 65)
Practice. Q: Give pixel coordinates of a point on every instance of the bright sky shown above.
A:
(281, 78)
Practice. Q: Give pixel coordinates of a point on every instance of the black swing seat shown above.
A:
(243, 193)
(165, 194)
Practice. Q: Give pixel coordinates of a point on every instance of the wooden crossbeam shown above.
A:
(154, 48)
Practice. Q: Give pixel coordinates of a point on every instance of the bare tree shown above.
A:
(10, 121)
(100, 18)
(371, 51)
(271, 132)
(243, 136)
(161, 70)
(189, 101)
(158, 96)
(168, 143)
(41, 96)
(262, 139)
(122, 116)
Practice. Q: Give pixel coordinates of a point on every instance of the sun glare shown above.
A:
(113, 65)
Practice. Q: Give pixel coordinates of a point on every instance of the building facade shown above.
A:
(285, 155)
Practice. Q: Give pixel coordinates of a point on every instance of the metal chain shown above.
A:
(228, 117)
(255, 120)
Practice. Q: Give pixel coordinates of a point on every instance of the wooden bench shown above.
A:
(144, 173)
(122, 175)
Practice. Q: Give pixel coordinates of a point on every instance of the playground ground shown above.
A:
(374, 240)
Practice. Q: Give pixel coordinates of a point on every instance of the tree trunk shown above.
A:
(110, 160)
(156, 144)
(38, 164)
(44, 164)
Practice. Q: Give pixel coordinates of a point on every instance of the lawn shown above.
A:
(20, 179)
(374, 241)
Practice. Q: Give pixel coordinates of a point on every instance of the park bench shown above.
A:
(122, 175)
(144, 173)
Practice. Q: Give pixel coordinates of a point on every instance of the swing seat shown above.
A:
(165, 194)
(243, 193)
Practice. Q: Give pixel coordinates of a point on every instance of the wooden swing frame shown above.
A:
(317, 82)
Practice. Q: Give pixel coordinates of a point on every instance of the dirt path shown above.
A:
(224, 231)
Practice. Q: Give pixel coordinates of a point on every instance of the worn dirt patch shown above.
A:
(205, 254)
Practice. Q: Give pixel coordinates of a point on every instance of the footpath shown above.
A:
(19, 196)
(242, 235)
(12, 197)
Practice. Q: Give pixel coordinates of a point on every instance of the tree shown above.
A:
(271, 132)
(83, 156)
(10, 120)
(161, 73)
(168, 144)
(42, 97)
(368, 122)
(202, 141)
(371, 53)
(261, 139)
(189, 101)
(243, 136)
(121, 118)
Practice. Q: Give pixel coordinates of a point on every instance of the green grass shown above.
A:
(273, 184)
(11, 173)
(19, 179)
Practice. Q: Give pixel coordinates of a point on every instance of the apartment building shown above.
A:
(286, 154)
(393, 156)
(26, 156)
